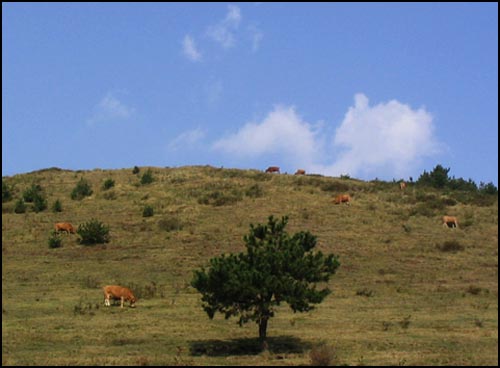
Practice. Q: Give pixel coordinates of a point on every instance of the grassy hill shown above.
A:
(408, 291)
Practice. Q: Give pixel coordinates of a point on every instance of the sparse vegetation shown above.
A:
(57, 206)
(170, 223)
(51, 295)
(31, 193)
(108, 184)
(54, 240)
(93, 232)
(6, 192)
(82, 189)
(322, 355)
(20, 206)
(147, 177)
(148, 211)
(450, 246)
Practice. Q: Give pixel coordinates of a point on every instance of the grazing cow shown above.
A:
(450, 221)
(300, 172)
(402, 185)
(272, 169)
(64, 226)
(341, 198)
(118, 292)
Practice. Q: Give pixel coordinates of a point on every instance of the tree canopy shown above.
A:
(277, 267)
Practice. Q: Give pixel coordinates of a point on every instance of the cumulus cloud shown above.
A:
(389, 138)
(189, 49)
(224, 31)
(385, 140)
(281, 131)
(186, 139)
(110, 108)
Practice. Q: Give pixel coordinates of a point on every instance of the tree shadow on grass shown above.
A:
(248, 346)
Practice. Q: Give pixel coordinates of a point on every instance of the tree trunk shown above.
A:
(263, 329)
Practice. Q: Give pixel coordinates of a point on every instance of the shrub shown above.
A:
(489, 188)
(20, 206)
(220, 198)
(450, 246)
(32, 192)
(93, 232)
(148, 211)
(54, 240)
(108, 184)
(322, 355)
(39, 203)
(57, 206)
(254, 191)
(136, 170)
(147, 177)
(109, 195)
(365, 292)
(170, 224)
(82, 190)
(405, 322)
(6, 192)
(334, 186)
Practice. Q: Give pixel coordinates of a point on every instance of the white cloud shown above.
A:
(256, 36)
(223, 32)
(386, 140)
(390, 138)
(281, 131)
(189, 49)
(110, 108)
(187, 139)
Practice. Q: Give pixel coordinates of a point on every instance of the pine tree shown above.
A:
(276, 268)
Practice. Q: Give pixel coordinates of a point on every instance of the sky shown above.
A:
(370, 90)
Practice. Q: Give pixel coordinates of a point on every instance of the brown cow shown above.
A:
(402, 185)
(341, 198)
(118, 292)
(64, 226)
(272, 169)
(450, 221)
(300, 172)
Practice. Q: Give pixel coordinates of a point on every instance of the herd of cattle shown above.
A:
(116, 292)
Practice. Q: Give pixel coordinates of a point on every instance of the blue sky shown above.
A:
(369, 90)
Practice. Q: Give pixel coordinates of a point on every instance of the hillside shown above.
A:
(408, 291)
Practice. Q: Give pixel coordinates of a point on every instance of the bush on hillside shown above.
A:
(170, 223)
(322, 355)
(39, 203)
(20, 206)
(93, 232)
(147, 177)
(32, 192)
(148, 211)
(57, 206)
(82, 190)
(136, 170)
(108, 184)
(6, 192)
(54, 240)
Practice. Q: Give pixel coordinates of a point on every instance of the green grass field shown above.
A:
(408, 291)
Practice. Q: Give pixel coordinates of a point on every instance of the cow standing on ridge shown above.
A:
(272, 169)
